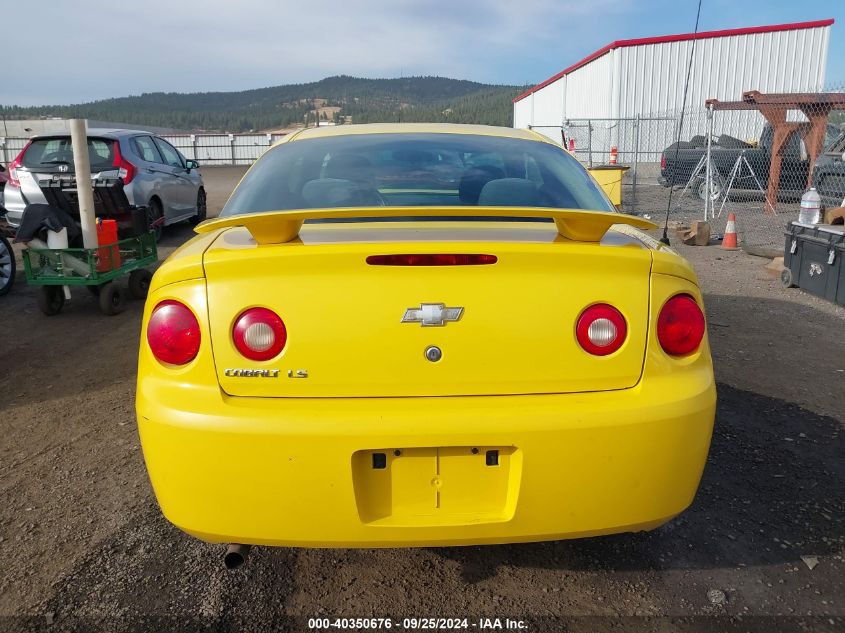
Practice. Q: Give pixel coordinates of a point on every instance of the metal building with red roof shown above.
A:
(645, 77)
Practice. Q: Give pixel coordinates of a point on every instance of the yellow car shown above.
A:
(419, 335)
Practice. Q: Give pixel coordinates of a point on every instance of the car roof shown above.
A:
(99, 131)
(417, 128)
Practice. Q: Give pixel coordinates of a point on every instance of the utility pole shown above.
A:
(84, 189)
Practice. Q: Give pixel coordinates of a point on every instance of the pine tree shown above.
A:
(432, 99)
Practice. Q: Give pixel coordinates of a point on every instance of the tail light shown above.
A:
(173, 333)
(601, 329)
(680, 326)
(125, 169)
(14, 179)
(431, 259)
(259, 334)
(663, 162)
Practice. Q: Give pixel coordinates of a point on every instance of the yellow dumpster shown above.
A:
(609, 178)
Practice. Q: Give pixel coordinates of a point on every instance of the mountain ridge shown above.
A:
(340, 97)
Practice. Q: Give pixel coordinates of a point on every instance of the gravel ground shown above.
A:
(85, 547)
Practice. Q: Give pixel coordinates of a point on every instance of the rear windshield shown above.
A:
(49, 152)
(405, 170)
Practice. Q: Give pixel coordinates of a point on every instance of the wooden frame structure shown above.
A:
(816, 106)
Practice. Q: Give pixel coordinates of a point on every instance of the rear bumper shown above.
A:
(299, 472)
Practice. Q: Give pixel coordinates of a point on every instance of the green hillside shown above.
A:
(435, 99)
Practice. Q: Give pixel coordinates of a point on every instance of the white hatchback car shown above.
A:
(153, 172)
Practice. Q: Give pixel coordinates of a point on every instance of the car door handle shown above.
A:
(151, 170)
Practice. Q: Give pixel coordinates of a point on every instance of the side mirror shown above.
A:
(191, 164)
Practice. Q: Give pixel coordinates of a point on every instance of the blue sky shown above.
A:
(188, 46)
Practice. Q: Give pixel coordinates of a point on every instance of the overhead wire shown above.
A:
(665, 238)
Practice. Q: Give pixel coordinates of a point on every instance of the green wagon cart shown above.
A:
(95, 268)
(98, 268)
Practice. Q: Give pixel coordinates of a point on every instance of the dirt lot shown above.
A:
(84, 546)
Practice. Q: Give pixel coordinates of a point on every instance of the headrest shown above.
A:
(473, 182)
(349, 167)
(510, 192)
(325, 193)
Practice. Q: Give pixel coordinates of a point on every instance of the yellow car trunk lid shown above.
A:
(355, 329)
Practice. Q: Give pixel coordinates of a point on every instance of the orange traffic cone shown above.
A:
(729, 240)
(614, 156)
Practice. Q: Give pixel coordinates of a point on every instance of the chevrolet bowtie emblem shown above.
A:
(432, 314)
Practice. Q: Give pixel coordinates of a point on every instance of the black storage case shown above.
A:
(814, 255)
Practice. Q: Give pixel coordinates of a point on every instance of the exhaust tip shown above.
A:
(236, 555)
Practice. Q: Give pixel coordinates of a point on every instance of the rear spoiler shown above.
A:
(276, 227)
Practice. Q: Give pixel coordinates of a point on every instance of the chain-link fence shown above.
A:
(753, 158)
(639, 143)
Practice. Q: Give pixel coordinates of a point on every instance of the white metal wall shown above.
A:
(648, 80)
(589, 90)
(586, 92)
(522, 112)
(223, 149)
(547, 106)
(652, 76)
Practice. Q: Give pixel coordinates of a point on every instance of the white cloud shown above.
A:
(90, 49)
